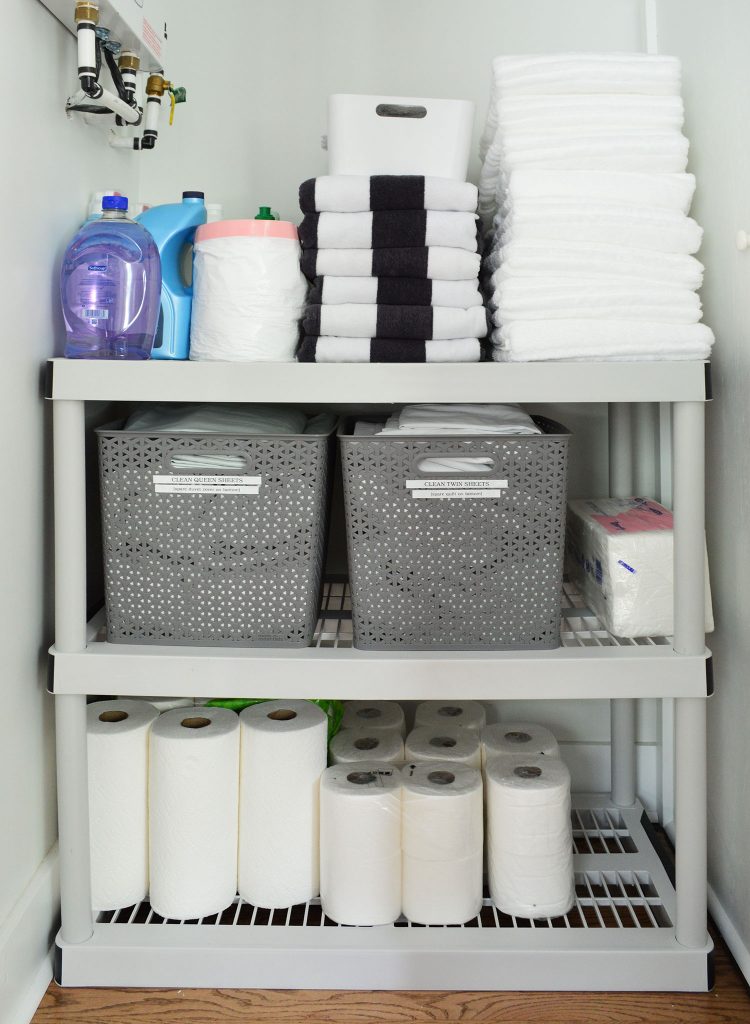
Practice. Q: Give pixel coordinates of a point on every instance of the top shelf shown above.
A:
(376, 383)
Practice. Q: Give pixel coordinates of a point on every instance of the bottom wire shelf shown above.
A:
(619, 935)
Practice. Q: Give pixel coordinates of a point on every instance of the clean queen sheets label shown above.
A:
(205, 483)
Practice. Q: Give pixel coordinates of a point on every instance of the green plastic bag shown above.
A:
(334, 709)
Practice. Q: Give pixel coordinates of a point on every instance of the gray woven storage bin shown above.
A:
(213, 569)
(456, 573)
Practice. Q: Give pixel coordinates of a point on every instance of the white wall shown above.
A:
(49, 168)
(712, 41)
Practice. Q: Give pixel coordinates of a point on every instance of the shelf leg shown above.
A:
(689, 638)
(622, 710)
(70, 635)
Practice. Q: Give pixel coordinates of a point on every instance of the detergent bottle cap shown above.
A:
(194, 195)
(264, 213)
(114, 202)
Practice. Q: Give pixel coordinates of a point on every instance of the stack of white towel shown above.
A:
(585, 197)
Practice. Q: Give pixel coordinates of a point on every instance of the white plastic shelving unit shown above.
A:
(636, 925)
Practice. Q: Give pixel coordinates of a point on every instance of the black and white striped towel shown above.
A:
(388, 350)
(438, 263)
(358, 320)
(388, 229)
(395, 291)
(352, 193)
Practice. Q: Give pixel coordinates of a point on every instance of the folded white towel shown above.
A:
(352, 193)
(529, 340)
(389, 350)
(438, 263)
(539, 259)
(672, 191)
(640, 227)
(588, 73)
(360, 320)
(461, 419)
(396, 291)
(546, 298)
(389, 229)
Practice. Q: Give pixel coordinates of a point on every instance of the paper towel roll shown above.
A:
(193, 794)
(529, 836)
(467, 713)
(360, 843)
(362, 744)
(168, 703)
(517, 738)
(374, 714)
(444, 743)
(284, 751)
(442, 843)
(117, 744)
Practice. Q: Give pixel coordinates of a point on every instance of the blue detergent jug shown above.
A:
(172, 227)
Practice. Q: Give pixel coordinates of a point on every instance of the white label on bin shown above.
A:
(205, 483)
(434, 487)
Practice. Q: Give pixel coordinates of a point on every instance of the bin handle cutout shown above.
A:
(196, 463)
(439, 465)
(400, 110)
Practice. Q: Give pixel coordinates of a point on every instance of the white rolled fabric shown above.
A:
(363, 744)
(193, 794)
(469, 714)
(117, 734)
(442, 843)
(167, 703)
(360, 843)
(374, 714)
(529, 836)
(517, 738)
(284, 752)
(444, 743)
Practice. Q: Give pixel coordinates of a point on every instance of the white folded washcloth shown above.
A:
(461, 419)
(529, 340)
(568, 73)
(664, 152)
(523, 298)
(672, 191)
(539, 259)
(640, 227)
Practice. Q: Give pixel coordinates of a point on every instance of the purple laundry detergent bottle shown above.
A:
(110, 287)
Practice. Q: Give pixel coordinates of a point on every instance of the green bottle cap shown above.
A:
(264, 213)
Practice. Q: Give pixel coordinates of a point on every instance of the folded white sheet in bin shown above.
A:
(620, 553)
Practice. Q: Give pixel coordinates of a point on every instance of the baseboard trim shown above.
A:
(729, 933)
(26, 938)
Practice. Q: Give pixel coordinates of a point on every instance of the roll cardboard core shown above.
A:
(361, 778)
(282, 715)
(113, 716)
(368, 713)
(442, 741)
(529, 771)
(442, 778)
(366, 743)
(195, 723)
(518, 737)
(450, 711)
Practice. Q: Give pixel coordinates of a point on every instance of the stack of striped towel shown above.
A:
(394, 268)
(584, 192)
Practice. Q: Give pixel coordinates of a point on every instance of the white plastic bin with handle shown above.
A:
(399, 135)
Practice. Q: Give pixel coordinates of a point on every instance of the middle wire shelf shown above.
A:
(590, 664)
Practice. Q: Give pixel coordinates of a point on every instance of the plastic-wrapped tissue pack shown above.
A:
(620, 553)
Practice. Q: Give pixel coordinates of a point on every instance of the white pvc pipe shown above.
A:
(107, 99)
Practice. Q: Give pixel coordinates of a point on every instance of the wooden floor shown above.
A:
(729, 1003)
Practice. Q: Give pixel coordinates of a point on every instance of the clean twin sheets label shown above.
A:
(449, 487)
(205, 483)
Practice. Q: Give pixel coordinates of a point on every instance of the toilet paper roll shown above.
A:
(467, 713)
(117, 734)
(284, 752)
(168, 703)
(529, 836)
(517, 738)
(361, 744)
(451, 743)
(193, 794)
(360, 843)
(374, 714)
